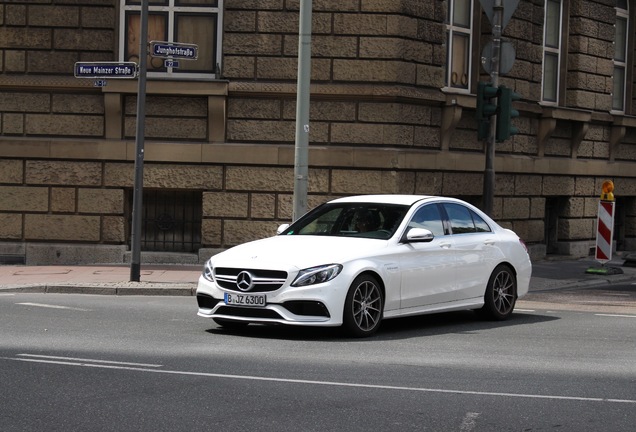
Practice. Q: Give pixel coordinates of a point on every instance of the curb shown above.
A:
(566, 284)
(189, 288)
(127, 289)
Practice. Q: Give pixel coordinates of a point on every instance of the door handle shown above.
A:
(445, 245)
(489, 242)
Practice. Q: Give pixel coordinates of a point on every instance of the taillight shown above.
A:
(524, 245)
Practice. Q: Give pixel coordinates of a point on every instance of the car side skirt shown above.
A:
(473, 303)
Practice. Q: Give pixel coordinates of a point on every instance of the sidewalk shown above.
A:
(174, 280)
(181, 280)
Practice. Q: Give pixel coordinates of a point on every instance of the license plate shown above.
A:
(256, 300)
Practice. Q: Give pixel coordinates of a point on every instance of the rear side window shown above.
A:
(480, 224)
(463, 220)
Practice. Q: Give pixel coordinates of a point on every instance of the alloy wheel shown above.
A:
(367, 305)
(504, 292)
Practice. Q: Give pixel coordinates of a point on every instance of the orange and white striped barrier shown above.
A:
(605, 224)
(604, 231)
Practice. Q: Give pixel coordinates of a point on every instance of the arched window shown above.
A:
(459, 36)
(620, 56)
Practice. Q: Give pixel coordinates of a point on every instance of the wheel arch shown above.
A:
(377, 277)
(511, 267)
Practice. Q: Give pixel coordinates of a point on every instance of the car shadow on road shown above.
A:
(462, 322)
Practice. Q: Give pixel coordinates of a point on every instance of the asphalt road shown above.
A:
(107, 363)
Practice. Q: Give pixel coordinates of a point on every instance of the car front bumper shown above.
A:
(313, 305)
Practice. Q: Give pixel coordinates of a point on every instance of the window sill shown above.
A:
(170, 87)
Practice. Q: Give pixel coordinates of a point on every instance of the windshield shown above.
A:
(367, 220)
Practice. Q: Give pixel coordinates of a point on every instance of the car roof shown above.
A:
(383, 199)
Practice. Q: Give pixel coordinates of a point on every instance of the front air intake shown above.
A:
(307, 308)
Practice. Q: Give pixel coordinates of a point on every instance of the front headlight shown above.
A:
(208, 271)
(316, 275)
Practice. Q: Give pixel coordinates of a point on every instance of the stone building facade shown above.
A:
(392, 111)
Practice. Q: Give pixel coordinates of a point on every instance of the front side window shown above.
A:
(428, 217)
(458, 35)
(620, 56)
(177, 21)
(551, 51)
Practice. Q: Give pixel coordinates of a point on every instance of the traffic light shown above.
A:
(486, 108)
(505, 114)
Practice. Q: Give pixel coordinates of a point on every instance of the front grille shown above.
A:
(244, 312)
(264, 280)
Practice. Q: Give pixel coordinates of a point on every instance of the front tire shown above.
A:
(364, 307)
(501, 294)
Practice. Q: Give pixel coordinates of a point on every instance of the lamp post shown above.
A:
(489, 171)
(135, 260)
(301, 169)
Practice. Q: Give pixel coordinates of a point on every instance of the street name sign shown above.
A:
(174, 50)
(118, 70)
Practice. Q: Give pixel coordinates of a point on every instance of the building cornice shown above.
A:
(345, 157)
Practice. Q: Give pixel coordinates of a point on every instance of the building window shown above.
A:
(620, 56)
(170, 220)
(552, 51)
(182, 21)
(458, 34)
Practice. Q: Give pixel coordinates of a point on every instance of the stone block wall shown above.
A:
(77, 202)
(630, 225)
(368, 41)
(39, 38)
(335, 123)
(379, 122)
(174, 118)
(59, 201)
(49, 114)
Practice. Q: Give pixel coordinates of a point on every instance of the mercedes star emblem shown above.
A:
(244, 281)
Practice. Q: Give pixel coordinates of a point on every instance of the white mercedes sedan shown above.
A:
(355, 261)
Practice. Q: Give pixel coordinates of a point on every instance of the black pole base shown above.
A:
(135, 272)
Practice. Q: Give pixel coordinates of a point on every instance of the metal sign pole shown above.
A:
(489, 172)
(301, 170)
(135, 261)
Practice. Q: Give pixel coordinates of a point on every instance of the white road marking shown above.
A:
(525, 310)
(72, 359)
(470, 422)
(616, 315)
(49, 306)
(94, 364)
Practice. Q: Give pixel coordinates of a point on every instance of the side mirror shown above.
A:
(419, 235)
(282, 228)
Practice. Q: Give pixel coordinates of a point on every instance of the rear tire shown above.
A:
(364, 307)
(501, 294)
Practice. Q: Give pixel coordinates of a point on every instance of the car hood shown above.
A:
(297, 251)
